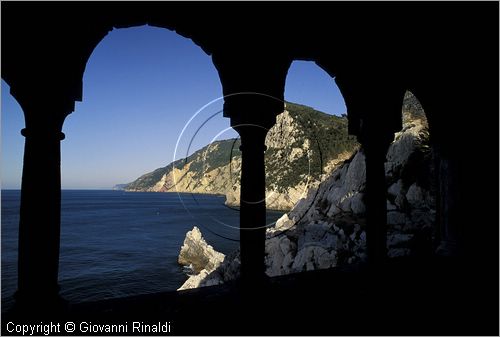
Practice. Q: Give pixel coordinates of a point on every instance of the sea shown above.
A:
(118, 244)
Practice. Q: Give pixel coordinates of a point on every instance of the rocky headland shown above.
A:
(303, 147)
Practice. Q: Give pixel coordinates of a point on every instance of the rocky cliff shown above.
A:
(326, 228)
(303, 147)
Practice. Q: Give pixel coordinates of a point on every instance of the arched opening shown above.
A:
(141, 86)
(411, 192)
(302, 149)
(328, 227)
(12, 159)
(314, 233)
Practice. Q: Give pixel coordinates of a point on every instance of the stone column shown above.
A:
(253, 83)
(449, 146)
(40, 215)
(374, 113)
(252, 202)
(448, 211)
(375, 149)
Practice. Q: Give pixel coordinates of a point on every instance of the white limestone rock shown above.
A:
(314, 257)
(196, 252)
(282, 224)
(233, 198)
(355, 178)
(274, 256)
(357, 204)
(286, 267)
(405, 143)
(203, 258)
(283, 132)
(280, 251)
(228, 270)
(194, 281)
(313, 233)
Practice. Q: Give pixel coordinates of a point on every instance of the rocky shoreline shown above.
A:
(326, 228)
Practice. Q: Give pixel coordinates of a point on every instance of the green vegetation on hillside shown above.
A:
(148, 180)
(328, 138)
(214, 155)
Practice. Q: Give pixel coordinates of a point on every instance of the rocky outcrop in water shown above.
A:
(197, 253)
(209, 266)
(199, 256)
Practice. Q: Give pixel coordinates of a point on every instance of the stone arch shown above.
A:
(146, 67)
(448, 145)
(169, 128)
(45, 108)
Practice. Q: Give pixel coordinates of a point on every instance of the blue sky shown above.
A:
(141, 86)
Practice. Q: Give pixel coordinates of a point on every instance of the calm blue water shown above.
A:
(115, 244)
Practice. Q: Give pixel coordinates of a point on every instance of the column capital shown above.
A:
(253, 84)
(256, 109)
(44, 112)
(375, 141)
(373, 108)
(252, 117)
(251, 132)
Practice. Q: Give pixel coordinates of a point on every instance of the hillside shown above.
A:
(303, 146)
(207, 159)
